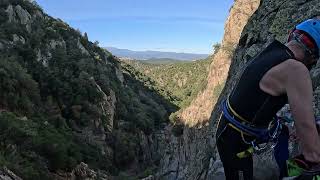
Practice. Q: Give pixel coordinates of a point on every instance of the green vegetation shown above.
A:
(179, 82)
(24, 144)
(57, 91)
(18, 90)
(163, 61)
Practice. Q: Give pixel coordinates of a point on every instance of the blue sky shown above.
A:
(163, 25)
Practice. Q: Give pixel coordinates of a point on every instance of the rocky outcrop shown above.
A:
(186, 156)
(11, 13)
(45, 56)
(44, 59)
(101, 126)
(18, 39)
(107, 107)
(191, 155)
(81, 172)
(55, 43)
(82, 48)
(23, 15)
(6, 174)
(200, 109)
(119, 74)
(15, 12)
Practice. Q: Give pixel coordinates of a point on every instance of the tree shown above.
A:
(216, 47)
(86, 36)
(96, 43)
(18, 91)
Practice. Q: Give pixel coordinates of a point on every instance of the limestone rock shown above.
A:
(83, 172)
(119, 74)
(18, 39)
(108, 106)
(44, 59)
(11, 13)
(188, 156)
(201, 107)
(55, 43)
(216, 170)
(6, 174)
(24, 15)
(82, 48)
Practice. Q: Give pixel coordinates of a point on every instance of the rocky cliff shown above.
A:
(201, 107)
(192, 155)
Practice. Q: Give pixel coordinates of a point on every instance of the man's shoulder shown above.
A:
(294, 66)
(293, 70)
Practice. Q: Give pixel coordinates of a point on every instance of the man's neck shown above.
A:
(296, 49)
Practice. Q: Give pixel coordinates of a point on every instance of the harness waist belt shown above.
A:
(262, 134)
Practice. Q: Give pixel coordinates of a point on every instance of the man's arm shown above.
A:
(299, 91)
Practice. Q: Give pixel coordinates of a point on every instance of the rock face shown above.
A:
(191, 155)
(82, 48)
(18, 14)
(200, 109)
(6, 174)
(108, 108)
(81, 172)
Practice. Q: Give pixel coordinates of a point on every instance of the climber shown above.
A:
(279, 74)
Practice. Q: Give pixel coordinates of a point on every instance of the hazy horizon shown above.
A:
(146, 50)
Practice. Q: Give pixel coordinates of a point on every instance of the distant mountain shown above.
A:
(164, 61)
(146, 55)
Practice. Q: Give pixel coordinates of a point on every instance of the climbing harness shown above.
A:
(263, 137)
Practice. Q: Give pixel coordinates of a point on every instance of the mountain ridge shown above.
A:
(151, 54)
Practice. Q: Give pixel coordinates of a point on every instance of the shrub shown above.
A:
(18, 91)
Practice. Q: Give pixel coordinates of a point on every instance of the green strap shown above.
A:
(245, 153)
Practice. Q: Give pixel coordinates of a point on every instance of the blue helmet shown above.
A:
(312, 27)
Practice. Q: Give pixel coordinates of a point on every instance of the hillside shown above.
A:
(182, 80)
(67, 106)
(162, 61)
